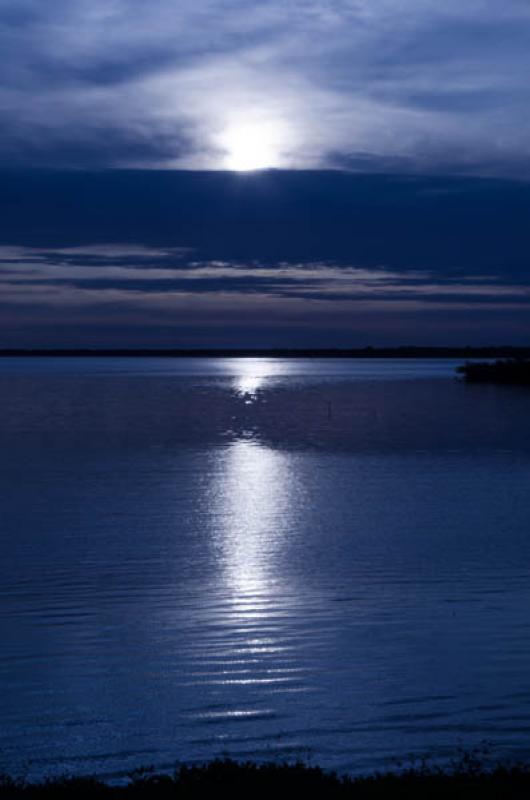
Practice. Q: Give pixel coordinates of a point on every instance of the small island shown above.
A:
(513, 371)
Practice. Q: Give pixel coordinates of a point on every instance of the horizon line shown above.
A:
(403, 351)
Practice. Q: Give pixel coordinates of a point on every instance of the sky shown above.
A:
(281, 173)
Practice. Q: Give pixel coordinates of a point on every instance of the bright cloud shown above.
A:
(380, 84)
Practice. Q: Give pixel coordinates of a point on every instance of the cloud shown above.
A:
(147, 277)
(419, 85)
(277, 259)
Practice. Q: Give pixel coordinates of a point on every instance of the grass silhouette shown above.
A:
(466, 780)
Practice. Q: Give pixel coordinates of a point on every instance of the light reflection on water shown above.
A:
(195, 566)
(252, 374)
(255, 492)
(250, 501)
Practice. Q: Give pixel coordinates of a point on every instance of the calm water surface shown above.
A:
(261, 558)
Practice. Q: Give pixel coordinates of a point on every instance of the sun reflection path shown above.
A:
(249, 658)
(249, 654)
(257, 496)
(254, 509)
(253, 373)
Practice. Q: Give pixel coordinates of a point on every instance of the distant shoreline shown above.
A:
(365, 352)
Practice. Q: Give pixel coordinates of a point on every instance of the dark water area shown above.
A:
(266, 559)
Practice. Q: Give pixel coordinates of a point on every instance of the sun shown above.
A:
(251, 146)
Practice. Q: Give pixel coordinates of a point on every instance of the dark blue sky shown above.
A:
(393, 206)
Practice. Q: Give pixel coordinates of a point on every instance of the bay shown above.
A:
(324, 560)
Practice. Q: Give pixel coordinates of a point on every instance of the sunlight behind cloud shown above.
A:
(299, 85)
(252, 146)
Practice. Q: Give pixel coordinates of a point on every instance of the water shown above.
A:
(267, 559)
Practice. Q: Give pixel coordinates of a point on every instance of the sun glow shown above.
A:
(252, 146)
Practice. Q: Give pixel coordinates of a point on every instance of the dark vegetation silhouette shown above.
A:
(466, 780)
(510, 371)
(405, 351)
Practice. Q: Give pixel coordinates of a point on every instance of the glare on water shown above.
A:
(255, 487)
(252, 374)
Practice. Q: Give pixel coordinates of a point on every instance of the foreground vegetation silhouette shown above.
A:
(510, 371)
(467, 780)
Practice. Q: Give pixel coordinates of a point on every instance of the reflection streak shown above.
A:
(256, 518)
(254, 498)
(252, 375)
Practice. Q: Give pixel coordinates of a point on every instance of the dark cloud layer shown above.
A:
(450, 224)
(276, 258)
